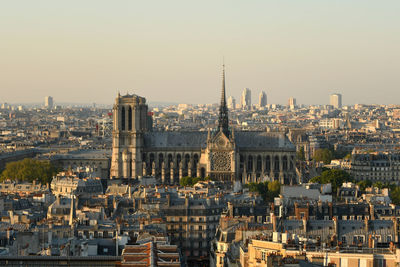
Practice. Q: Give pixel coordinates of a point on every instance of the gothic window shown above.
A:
(285, 163)
(160, 160)
(250, 164)
(276, 163)
(258, 163)
(151, 160)
(195, 161)
(187, 159)
(268, 164)
(123, 119)
(130, 119)
(221, 161)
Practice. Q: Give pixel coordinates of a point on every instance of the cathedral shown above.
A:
(222, 154)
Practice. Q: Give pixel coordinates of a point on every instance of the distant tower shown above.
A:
(130, 121)
(231, 102)
(223, 120)
(292, 102)
(262, 99)
(245, 100)
(336, 100)
(48, 102)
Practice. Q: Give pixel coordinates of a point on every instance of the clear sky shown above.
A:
(167, 50)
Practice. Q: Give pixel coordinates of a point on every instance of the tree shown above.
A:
(335, 177)
(300, 155)
(324, 155)
(395, 195)
(267, 190)
(364, 184)
(29, 170)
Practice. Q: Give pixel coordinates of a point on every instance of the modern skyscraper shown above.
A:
(48, 102)
(245, 100)
(262, 99)
(336, 100)
(292, 102)
(231, 102)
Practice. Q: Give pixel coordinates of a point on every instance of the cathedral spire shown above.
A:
(223, 120)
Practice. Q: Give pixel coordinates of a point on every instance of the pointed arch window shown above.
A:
(123, 119)
(130, 119)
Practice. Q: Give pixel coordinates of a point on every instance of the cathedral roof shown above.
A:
(175, 139)
(255, 140)
(258, 140)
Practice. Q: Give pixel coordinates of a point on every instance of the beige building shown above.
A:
(266, 253)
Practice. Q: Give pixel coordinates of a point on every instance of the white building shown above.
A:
(245, 100)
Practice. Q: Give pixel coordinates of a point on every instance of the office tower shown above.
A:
(292, 102)
(336, 100)
(231, 102)
(245, 101)
(262, 99)
(48, 102)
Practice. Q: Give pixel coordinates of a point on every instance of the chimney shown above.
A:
(372, 211)
(396, 236)
(230, 209)
(274, 222)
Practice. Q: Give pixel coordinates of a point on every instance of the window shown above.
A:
(263, 255)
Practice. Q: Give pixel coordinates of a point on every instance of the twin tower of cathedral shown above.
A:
(224, 154)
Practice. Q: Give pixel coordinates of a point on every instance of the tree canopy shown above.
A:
(335, 177)
(300, 155)
(29, 170)
(395, 195)
(267, 190)
(324, 155)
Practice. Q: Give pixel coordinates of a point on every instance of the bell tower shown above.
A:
(130, 121)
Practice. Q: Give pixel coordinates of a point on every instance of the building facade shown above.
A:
(262, 99)
(336, 100)
(245, 100)
(222, 154)
(376, 166)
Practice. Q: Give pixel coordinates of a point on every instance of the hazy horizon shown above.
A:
(171, 51)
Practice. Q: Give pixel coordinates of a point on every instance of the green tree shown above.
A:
(379, 185)
(29, 170)
(324, 155)
(267, 190)
(300, 155)
(364, 184)
(395, 195)
(335, 177)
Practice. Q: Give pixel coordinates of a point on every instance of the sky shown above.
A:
(172, 51)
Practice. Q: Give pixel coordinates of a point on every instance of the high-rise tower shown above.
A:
(48, 102)
(336, 100)
(245, 100)
(262, 99)
(231, 103)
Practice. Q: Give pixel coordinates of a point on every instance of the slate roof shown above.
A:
(175, 139)
(256, 140)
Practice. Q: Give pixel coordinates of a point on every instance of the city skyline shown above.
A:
(307, 50)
